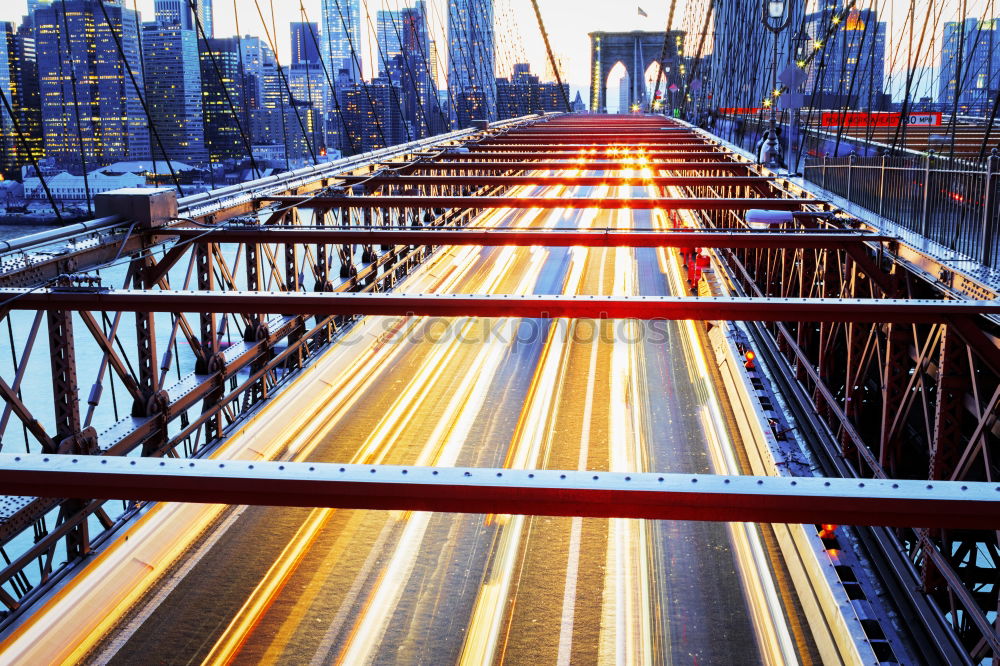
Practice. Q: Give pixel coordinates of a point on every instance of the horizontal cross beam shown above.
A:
(529, 153)
(499, 305)
(548, 181)
(594, 494)
(674, 144)
(589, 165)
(603, 203)
(496, 236)
(610, 138)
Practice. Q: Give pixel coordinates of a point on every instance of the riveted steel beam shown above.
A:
(703, 497)
(525, 237)
(526, 153)
(547, 181)
(603, 203)
(577, 165)
(501, 305)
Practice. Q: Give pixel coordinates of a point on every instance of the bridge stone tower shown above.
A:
(636, 51)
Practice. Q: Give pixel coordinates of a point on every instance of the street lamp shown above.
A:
(775, 19)
(800, 49)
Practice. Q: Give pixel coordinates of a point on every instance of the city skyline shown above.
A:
(567, 21)
(567, 25)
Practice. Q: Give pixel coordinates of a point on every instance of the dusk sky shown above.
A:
(518, 39)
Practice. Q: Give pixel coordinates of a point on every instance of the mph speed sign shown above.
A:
(930, 118)
(861, 119)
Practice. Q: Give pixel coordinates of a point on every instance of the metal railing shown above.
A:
(952, 202)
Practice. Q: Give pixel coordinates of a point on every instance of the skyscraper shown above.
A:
(19, 83)
(341, 37)
(371, 116)
(405, 46)
(91, 113)
(305, 47)
(471, 60)
(204, 8)
(223, 99)
(173, 92)
(851, 70)
(9, 141)
(173, 12)
(178, 12)
(389, 35)
(258, 65)
(974, 69)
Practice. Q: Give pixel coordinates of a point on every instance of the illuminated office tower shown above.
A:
(81, 78)
(204, 9)
(173, 92)
(178, 12)
(976, 64)
(222, 94)
(305, 47)
(405, 44)
(19, 82)
(371, 116)
(850, 70)
(341, 30)
(471, 59)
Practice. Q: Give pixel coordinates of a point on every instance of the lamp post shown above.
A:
(775, 20)
(800, 43)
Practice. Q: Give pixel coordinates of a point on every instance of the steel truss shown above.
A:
(917, 398)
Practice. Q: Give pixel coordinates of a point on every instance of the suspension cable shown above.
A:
(552, 59)
(663, 54)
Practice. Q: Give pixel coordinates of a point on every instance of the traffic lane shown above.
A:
(176, 628)
(417, 430)
(561, 574)
(701, 592)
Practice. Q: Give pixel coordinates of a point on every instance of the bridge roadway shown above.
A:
(320, 586)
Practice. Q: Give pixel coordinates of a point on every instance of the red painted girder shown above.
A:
(531, 154)
(581, 181)
(610, 140)
(675, 144)
(703, 497)
(499, 305)
(495, 236)
(591, 135)
(603, 203)
(588, 165)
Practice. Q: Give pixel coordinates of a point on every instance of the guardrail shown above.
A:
(951, 202)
